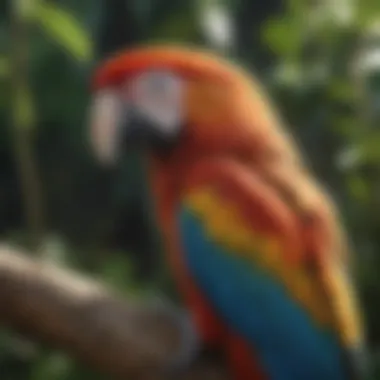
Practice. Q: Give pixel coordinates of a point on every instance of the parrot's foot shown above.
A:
(358, 366)
(189, 343)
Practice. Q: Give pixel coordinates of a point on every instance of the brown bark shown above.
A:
(124, 339)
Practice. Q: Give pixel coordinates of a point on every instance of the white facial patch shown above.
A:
(158, 96)
(105, 115)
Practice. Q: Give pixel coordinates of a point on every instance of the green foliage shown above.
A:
(4, 68)
(64, 29)
(283, 36)
(178, 28)
(24, 112)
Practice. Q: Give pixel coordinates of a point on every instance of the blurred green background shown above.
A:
(320, 61)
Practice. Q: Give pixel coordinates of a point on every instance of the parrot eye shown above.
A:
(157, 96)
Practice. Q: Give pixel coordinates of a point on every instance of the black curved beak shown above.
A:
(138, 132)
(116, 128)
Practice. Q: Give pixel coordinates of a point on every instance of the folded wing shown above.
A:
(244, 249)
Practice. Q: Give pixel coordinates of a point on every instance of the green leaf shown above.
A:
(24, 9)
(282, 36)
(359, 188)
(298, 7)
(4, 68)
(118, 272)
(56, 365)
(24, 115)
(180, 27)
(289, 74)
(367, 14)
(346, 126)
(65, 30)
(343, 91)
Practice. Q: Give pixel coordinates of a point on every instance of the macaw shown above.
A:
(255, 244)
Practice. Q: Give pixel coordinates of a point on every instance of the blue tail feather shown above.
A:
(290, 346)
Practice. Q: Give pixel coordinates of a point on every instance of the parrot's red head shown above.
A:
(174, 99)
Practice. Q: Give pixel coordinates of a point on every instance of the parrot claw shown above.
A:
(358, 367)
(190, 345)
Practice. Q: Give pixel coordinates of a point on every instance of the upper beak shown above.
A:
(106, 119)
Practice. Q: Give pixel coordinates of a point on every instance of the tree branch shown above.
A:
(126, 340)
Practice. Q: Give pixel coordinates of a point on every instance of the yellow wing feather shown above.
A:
(223, 224)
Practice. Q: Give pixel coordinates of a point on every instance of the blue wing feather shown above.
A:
(289, 343)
